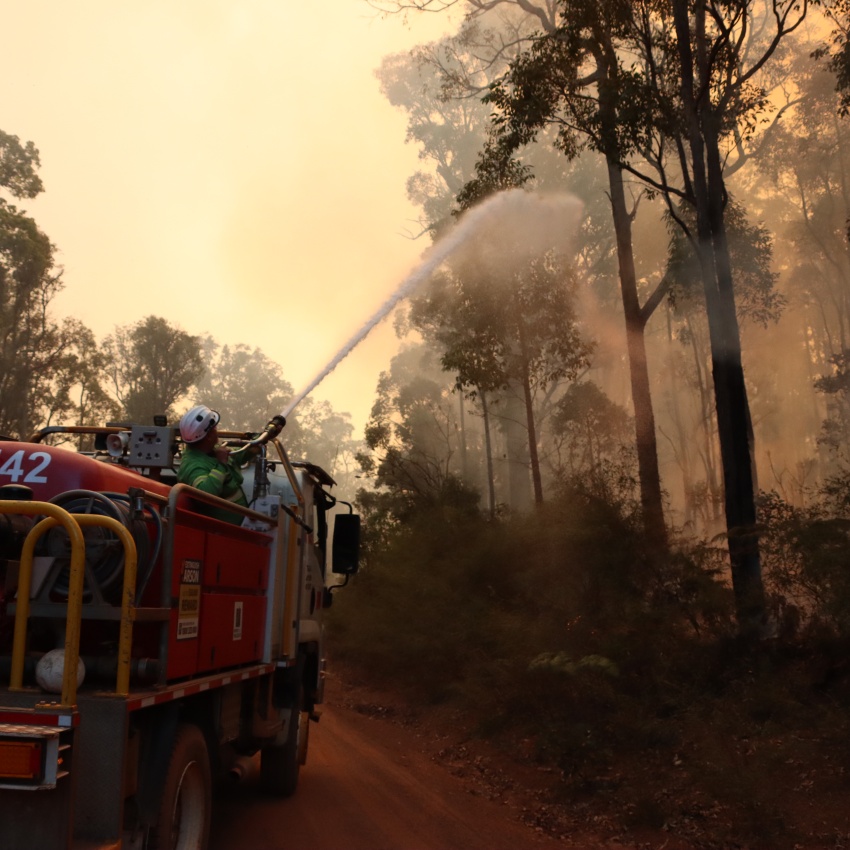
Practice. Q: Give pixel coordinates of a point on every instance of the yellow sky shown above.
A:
(228, 164)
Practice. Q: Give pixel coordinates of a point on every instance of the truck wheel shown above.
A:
(184, 813)
(280, 763)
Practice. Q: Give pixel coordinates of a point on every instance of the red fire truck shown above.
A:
(146, 648)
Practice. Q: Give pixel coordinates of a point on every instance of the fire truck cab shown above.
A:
(148, 648)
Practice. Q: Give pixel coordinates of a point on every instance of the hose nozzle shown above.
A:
(274, 427)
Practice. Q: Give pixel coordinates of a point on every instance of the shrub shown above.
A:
(804, 554)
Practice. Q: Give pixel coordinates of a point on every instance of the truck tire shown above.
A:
(183, 822)
(280, 763)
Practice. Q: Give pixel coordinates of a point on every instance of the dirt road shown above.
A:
(369, 786)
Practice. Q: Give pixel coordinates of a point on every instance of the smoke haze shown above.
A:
(231, 167)
(509, 228)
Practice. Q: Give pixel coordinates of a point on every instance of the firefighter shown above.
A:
(210, 467)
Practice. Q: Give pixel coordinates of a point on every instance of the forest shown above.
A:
(605, 483)
(611, 521)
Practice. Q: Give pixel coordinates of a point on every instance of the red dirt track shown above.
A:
(368, 785)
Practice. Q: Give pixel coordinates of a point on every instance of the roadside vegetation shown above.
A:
(561, 637)
(609, 502)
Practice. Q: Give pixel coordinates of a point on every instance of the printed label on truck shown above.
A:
(189, 604)
(237, 621)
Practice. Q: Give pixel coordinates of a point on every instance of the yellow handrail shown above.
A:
(54, 516)
(125, 633)
(72, 524)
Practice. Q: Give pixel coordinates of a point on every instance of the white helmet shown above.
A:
(197, 423)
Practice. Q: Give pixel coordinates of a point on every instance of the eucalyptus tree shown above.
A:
(836, 48)
(325, 437)
(40, 357)
(497, 171)
(152, 364)
(591, 433)
(573, 78)
(719, 97)
(28, 339)
(805, 160)
(510, 328)
(76, 395)
(411, 439)
(439, 86)
(242, 383)
(758, 302)
(19, 164)
(666, 91)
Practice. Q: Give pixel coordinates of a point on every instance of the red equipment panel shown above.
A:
(184, 626)
(219, 578)
(231, 629)
(237, 559)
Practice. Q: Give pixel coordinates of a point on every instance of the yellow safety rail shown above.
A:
(72, 524)
(292, 575)
(54, 516)
(128, 593)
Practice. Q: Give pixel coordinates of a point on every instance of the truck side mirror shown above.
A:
(346, 544)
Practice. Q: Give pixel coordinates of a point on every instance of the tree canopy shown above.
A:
(152, 364)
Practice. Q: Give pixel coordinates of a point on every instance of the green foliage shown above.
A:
(324, 436)
(506, 326)
(42, 362)
(449, 604)
(835, 429)
(76, 394)
(420, 590)
(411, 436)
(27, 285)
(563, 663)
(590, 434)
(428, 84)
(805, 560)
(836, 50)
(19, 164)
(751, 255)
(50, 371)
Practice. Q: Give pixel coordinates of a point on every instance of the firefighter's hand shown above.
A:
(222, 454)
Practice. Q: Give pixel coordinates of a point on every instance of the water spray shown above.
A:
(530, 223)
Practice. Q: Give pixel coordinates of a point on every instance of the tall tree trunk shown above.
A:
(645, 437)
(683, 436)
(534, 458)
(533, 455)
(733, 415)
(464, 465)
(488, 450)
(713, 489)
(516, 444)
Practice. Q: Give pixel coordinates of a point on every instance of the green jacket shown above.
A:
(207, 473)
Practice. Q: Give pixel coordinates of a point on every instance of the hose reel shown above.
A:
(104, 560)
